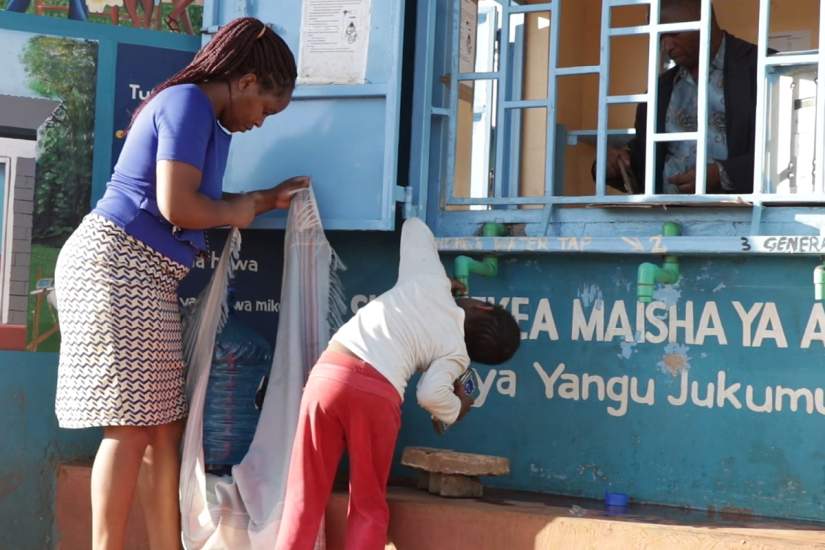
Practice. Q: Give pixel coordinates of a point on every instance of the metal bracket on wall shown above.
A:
(404, 194)
(756, 218)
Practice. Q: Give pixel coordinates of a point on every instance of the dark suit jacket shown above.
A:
(740, 117)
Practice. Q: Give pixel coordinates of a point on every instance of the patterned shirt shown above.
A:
(682, 117)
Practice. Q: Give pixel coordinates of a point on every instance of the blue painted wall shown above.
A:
(32, 449)
(714, 456)
(717, 456)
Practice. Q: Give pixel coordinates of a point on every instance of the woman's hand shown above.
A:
(616, 157)
(245, 206)
(287, 188)
(279, 196)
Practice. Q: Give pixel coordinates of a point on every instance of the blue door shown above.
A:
(343, 135)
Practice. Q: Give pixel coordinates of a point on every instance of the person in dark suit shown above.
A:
(731, 112)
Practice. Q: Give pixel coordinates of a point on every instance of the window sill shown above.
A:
(720, 230)
(780, 245)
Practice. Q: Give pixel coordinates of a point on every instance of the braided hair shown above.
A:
(245, 45)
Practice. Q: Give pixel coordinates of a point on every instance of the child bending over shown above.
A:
(354, 393)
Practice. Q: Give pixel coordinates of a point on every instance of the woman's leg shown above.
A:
(173, 19)
(180, 6)
(131, 9)
(158, 485)
(187, 22)
(114, 476)
(148, 7)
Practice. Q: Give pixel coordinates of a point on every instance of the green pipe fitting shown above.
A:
(651, 274)
(494, 230)
(487, 267)
(819, 281)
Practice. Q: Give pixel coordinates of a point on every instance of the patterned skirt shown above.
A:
(121, 359)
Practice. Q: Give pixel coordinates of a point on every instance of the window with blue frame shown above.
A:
(521, 107)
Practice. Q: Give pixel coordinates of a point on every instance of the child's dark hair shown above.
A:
(492, 337)
(245, 45)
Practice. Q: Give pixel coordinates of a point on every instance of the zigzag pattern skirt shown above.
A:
(121, 359)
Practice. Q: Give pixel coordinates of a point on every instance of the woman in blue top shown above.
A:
(121, 363)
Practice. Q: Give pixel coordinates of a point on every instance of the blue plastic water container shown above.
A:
(617, 500)
(240, 364)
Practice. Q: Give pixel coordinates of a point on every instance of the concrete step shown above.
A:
(516, 521)
(73, 512)
(500, 520)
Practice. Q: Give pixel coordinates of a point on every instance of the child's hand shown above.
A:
(466, 400)
(457, 287)
(466, 403)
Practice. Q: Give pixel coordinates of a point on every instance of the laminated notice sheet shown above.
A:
(335, 36)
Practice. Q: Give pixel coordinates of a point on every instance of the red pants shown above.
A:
(346, 403)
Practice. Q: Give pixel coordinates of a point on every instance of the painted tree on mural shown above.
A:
(65, 70)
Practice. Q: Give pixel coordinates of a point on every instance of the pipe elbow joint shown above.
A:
(461, 270)
(494, 230)
(490, 266)
(646, 281)
(650, 274)
(487, 267)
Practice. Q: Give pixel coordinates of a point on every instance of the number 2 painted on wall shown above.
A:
(658, 247)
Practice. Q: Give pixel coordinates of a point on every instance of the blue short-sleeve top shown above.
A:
(177, 124)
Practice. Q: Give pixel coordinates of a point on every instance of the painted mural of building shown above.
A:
(20, 118)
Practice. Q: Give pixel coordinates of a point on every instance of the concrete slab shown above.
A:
(443, 461)
(73, 512)
(515, 521)
(419, 521)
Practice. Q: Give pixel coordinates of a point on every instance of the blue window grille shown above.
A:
(547, 222)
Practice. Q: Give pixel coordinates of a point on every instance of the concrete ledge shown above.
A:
(420, 521)
(73, 512)
(502, 520)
